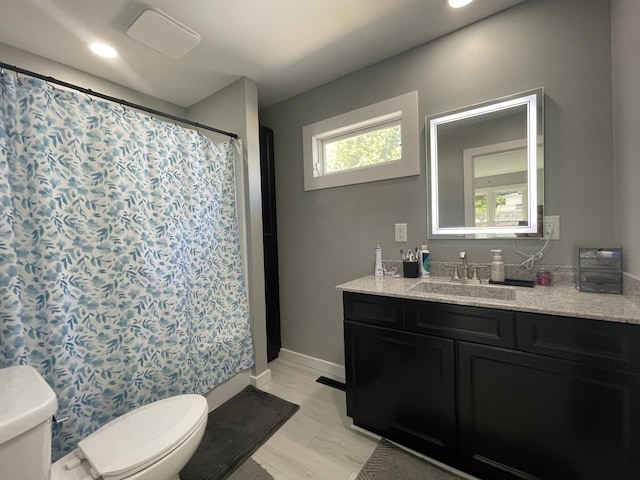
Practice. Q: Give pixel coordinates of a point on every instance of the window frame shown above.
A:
(403, 108)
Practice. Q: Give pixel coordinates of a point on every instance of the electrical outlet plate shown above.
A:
(552, 223)
(401, 232)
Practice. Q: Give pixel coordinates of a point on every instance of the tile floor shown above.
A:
(318, 441)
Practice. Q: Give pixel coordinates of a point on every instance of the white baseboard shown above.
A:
(333, 369)
(228, 389)
(260, 380)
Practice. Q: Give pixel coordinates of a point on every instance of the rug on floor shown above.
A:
(235, 430)
(388, 462)
(250, 470)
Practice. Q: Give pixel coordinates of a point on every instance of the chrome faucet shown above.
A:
(468, 273)
(465, 265)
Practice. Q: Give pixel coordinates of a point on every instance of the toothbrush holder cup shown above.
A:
(411, 269)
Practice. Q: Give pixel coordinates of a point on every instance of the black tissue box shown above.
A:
(410, 269)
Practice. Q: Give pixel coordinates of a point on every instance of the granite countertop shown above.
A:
(556, 300)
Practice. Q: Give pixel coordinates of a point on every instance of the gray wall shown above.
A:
(625, 19)
(328, 236)
(28, 61)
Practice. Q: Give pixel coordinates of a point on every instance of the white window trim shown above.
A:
(407, 165)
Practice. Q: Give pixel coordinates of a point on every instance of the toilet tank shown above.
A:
(27, 404)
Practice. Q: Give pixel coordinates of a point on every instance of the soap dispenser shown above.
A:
(497, 267)
(378, 269)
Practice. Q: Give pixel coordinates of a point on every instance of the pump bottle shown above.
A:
(424, 258)
(378, 270)
(497, 267)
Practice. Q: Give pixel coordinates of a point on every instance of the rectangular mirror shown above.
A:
(486, 169)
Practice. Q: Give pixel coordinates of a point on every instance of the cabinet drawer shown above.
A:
(385, 311)
(596, 342)
(483, 325)
(599, 281)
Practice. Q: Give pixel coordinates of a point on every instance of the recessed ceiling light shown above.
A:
(103, 50)
(459, 3)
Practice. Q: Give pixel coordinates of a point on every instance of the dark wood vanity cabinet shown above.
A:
(499, 394)
(524, 415)
(400, 385)
(406, 393)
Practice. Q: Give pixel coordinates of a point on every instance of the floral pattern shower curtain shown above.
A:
(120, 272)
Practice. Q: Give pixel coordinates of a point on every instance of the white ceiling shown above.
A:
(286, 46)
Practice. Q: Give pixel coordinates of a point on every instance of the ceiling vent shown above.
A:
(162, 33)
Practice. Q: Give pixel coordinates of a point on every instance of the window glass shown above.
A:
(362, 150)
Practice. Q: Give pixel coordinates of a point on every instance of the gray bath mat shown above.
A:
(388, 462)
(235, 430)
(250, 470)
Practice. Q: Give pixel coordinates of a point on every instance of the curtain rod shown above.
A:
(88, 91)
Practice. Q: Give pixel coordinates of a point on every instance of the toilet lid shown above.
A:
(139, 438)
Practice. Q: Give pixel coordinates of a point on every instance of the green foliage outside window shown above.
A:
(370, 148)
(481, 206)
(481, 209)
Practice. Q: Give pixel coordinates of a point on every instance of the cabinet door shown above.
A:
(401, 386)
(528, 416)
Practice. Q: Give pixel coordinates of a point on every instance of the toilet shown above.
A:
(152, 442)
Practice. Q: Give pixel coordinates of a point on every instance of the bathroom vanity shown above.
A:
(539, 383)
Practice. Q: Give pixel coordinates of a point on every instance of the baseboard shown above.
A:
(332, 369)
(228, 389)
(260, 380)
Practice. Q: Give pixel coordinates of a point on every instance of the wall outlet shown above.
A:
(401, 232)
(552, 227)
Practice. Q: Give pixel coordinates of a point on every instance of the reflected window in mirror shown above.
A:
(486, 175)
(495, 183)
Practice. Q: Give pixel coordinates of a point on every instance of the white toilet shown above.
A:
(152, 442)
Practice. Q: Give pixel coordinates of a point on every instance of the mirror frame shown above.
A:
(533, 100)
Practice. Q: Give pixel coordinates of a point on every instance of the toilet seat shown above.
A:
(137, 439)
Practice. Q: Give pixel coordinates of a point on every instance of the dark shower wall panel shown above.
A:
(270, 242)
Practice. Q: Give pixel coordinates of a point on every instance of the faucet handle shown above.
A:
(475, 272)
(455, 274)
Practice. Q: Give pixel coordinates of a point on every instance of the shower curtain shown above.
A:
(120, 272)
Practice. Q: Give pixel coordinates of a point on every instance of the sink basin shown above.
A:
(495, 292)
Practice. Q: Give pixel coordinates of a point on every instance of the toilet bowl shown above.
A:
(152, 442)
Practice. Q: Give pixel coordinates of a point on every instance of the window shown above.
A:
(373, 143)
(500, 206)
(496, 191)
